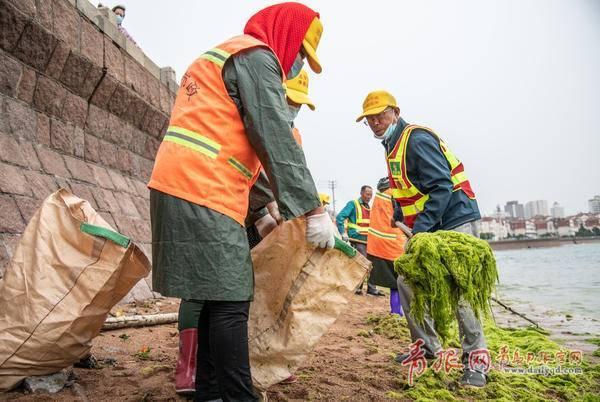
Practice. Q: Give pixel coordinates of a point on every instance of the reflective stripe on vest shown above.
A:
(193, 141)
(362, 219)
(411, 200)
(205, 156)
(384, 241)
(216, 55)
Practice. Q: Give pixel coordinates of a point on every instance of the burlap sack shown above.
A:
(66, 274)
(299, 293)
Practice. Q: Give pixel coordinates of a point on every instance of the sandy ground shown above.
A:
(349, 363)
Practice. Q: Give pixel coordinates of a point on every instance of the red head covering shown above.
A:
(282, 27)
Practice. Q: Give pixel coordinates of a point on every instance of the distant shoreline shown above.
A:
(539, 243)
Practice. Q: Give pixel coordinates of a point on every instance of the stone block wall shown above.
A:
(81, 107)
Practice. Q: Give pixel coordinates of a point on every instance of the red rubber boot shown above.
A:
(185, 371)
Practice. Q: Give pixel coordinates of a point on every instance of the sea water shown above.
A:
(561, 281)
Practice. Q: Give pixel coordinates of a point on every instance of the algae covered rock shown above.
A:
(444, 268)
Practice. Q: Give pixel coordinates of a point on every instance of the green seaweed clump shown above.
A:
(389, 325)
(446, 268)
(506, 386)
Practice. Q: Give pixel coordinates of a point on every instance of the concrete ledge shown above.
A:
(167, 77)
(152, 67)
(87, 9)
(106, 21)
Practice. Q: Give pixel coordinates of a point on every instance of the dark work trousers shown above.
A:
(362, 248)
(223, 364)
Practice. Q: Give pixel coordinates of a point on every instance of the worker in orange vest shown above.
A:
(385, 243)
(230, 119)
(432, 191)
(353, 224)
(263, 216)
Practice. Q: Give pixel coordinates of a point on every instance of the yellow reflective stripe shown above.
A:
(405, 192)
(415, 208)
(220, 52)
(382, 235)
(190, 145)
(216, 55)
(358, 210)
(409, 210)
(239, 166)
(450, 157)
(459, 178)
(212, 58)
(198, 137)
(357, 228)
(383, 196)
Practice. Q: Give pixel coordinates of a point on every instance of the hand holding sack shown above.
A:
(319, 230)
(265, 225)
(273, 209)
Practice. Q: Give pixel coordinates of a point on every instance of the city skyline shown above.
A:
(512, 75)
(552, 208)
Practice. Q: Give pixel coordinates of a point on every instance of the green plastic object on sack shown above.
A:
(111, 235)
(444, 268)
(344, 247)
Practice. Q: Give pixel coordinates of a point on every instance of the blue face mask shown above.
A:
(293, 112)
(296, 67)
(388, 132)
(119, 19)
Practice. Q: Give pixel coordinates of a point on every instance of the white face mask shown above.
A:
(388, 132)
(293, 111)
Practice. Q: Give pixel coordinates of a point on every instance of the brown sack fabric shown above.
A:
(299, 293)
(69, 269)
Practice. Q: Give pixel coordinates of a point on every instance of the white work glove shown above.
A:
(319, 230)
(345, 237)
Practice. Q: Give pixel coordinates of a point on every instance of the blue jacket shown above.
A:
(428, 169)
(349, 213)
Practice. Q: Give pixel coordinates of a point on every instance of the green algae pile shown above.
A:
(443, 269)
(388, 325)
(502, 385)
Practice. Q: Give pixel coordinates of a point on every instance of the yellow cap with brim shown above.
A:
(325, 200)
(376, 102)
(297, 90)
(311, 42)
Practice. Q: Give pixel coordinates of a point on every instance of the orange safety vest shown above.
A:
(363, 219)
(411, 199)
(205, 157)
(384, 241)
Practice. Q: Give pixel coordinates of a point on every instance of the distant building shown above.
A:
(530, 229)
(592, 222)
(557, 211)
(536, 208)
(514, 210)
(541, 227)
(493, 228)
(565, 227)
(594, 205)
(518, 227)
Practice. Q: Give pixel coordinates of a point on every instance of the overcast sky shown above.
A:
(512, 86)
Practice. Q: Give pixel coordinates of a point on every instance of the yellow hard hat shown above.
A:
(376, 102)
(297, 90)
(311, 42)
(324, 199)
